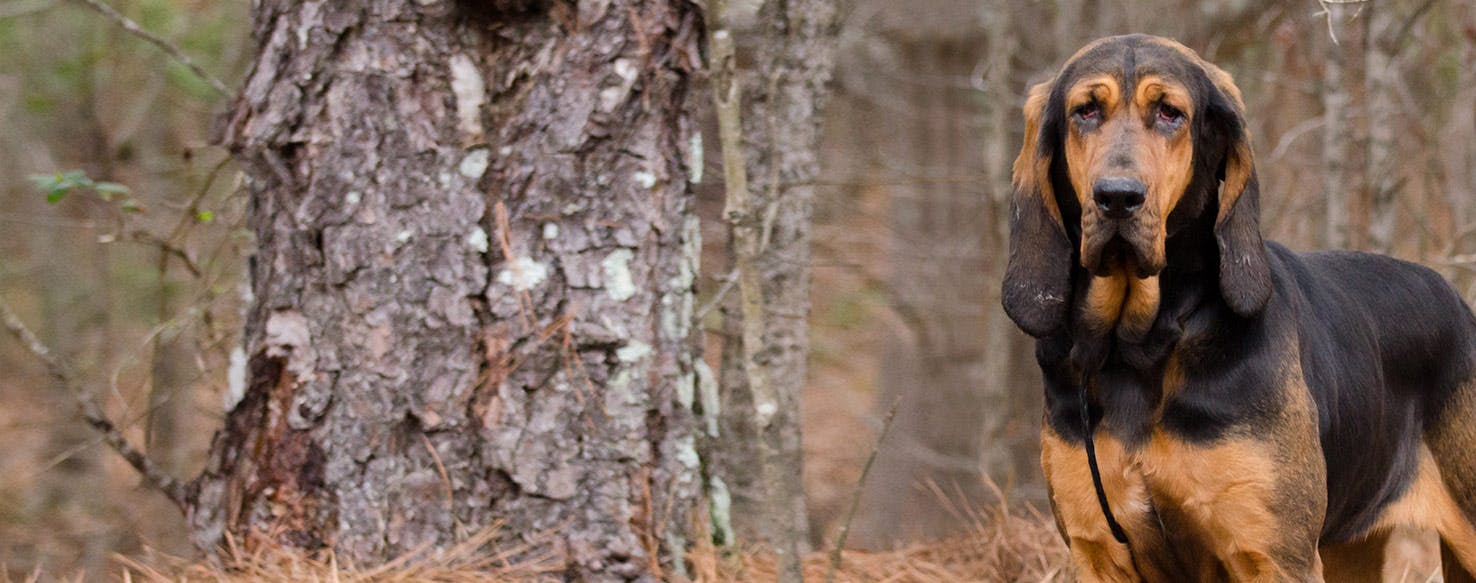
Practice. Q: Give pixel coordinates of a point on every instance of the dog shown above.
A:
(1218, 407)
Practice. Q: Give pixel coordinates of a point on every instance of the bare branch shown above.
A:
(750, 222)
(729, 280)
(173, 51)
(169, 249)
(91, 412)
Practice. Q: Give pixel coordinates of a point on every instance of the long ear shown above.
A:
(1245, 273)
(1037, 278)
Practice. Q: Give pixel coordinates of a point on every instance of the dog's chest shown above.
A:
(1173, 497)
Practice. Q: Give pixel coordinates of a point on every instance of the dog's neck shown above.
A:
(1122, 320)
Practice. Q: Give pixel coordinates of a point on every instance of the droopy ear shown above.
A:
(1037, 278)
(1245, 273)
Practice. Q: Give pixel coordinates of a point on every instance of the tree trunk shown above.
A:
(1008, 447)
(1336, 133)
(1382, 172)
(472, 288)
(784, 93)
(927, 476)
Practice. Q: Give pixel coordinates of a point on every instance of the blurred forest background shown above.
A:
(1363, 115)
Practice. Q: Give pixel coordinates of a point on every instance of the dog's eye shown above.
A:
(1169, 114)
(1087, 112)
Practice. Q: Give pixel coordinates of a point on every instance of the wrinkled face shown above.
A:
(1135, 141)
(1129, 152)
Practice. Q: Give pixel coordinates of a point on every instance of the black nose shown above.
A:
(1119, 198)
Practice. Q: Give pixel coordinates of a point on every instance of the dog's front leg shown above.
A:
(1096, 554)
(1254, 503)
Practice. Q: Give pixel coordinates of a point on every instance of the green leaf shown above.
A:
(74, 178)
(205, 216)
(107, 190)
(45, 181)
(58, 185)
(111, 188)
(130, 205)
(55, 186)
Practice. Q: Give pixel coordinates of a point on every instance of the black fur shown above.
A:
(1382, 344)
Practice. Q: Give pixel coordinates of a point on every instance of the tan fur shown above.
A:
(1105, 295)
(1234, 504)
(1097, 555)
(1141, 307)
(1173, 381)
(1427, 503)
(1224, 492)
(1452, 445)
(1164, 163)
(1031, 173)
(1124, 301)
(1241, 163)
(1167, 164)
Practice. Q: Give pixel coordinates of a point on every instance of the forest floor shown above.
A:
(1017, 548)
(143, 538)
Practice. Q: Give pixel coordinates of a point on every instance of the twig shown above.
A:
(168, 248)
(748, 239)
(79, 448)
(91, 412)
(1327, 9)
(1409, 24)
(845, 529)
(729, 280)
(173, 51)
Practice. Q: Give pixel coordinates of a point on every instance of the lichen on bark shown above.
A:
(471, 283)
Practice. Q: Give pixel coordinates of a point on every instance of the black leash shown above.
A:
(1091, 432)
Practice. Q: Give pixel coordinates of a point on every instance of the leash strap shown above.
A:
(1091, 432)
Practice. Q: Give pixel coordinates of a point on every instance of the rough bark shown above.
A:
(472, 288)
(784, 92)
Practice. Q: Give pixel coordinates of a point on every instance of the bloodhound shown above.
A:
(1218, 407)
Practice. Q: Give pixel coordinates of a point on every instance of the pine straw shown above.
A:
(1018, 548)
(475, 560)
(1010, 547)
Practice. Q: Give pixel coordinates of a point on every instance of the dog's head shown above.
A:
(1134, 139)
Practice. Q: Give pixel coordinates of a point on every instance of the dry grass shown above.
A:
(1020, 548)
(1011, 547)
(1004, 546)
(475, 560)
